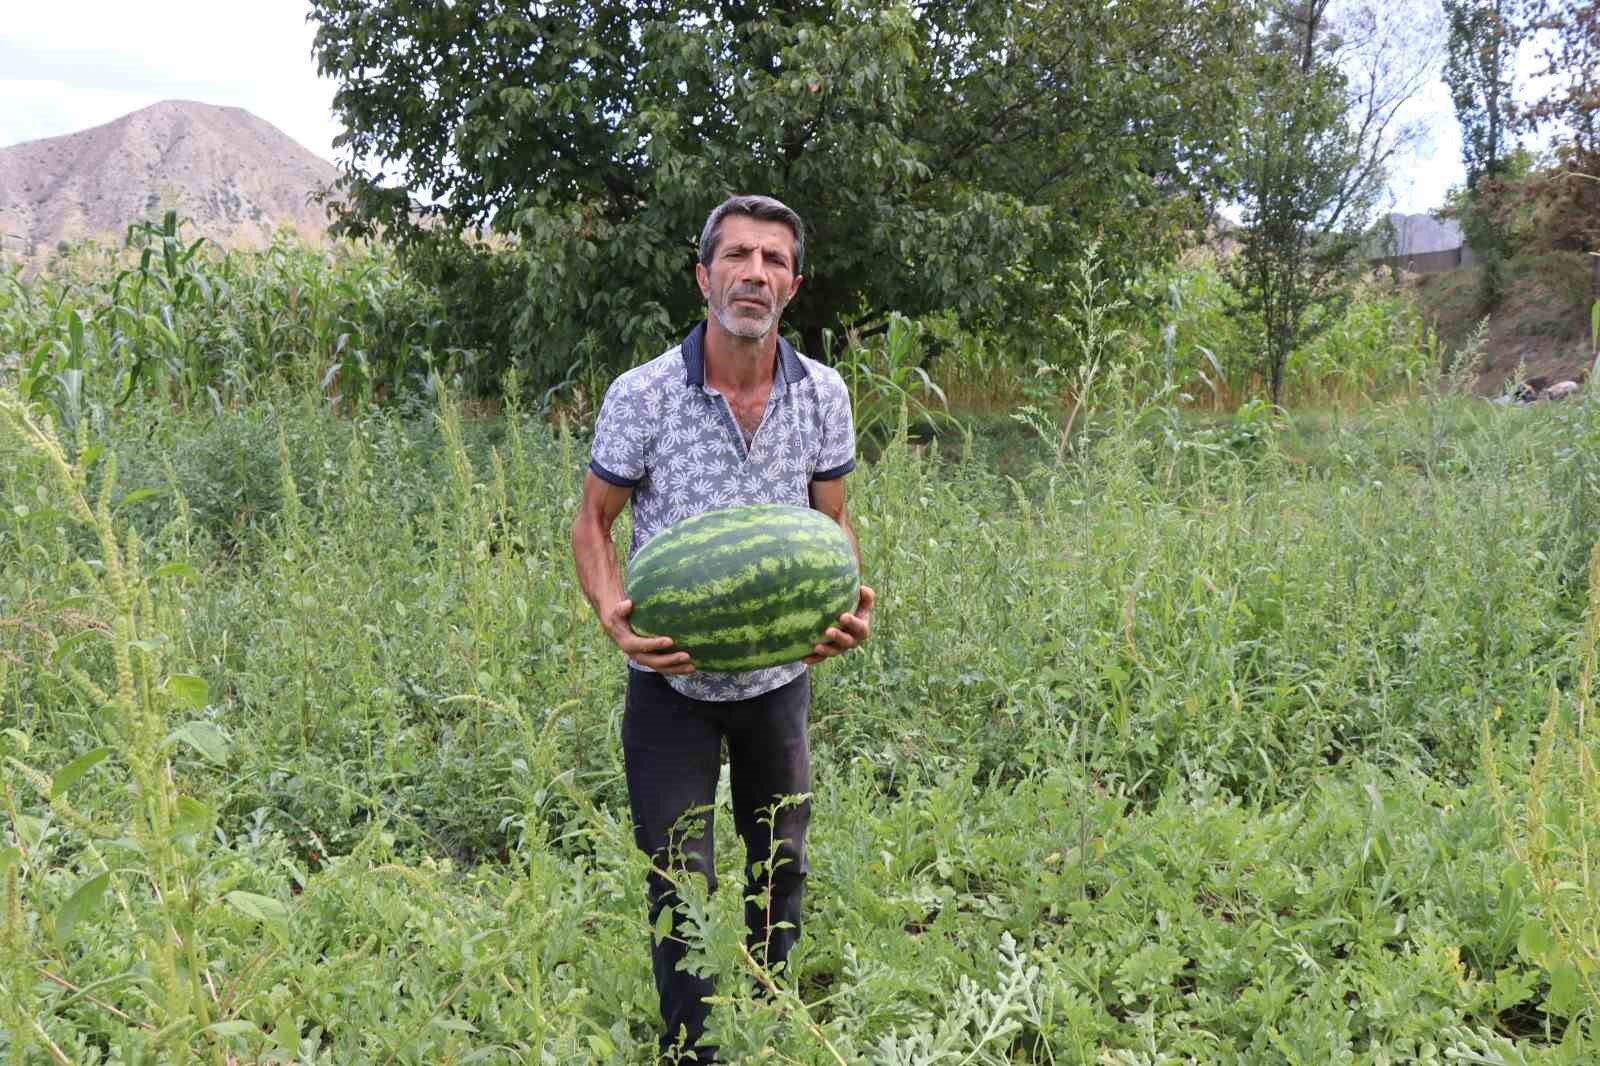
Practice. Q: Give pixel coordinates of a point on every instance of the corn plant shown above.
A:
(884, 374)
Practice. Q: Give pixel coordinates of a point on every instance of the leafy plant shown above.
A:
(167, 830)
(1553, 836)
(887, 382)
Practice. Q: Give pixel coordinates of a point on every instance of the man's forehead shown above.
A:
(756, 232)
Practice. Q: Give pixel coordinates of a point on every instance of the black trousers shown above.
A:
(672, 753)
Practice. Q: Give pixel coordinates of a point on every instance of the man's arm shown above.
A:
(854, 627)
(600, 577)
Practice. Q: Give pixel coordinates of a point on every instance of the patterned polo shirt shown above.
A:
(672, 439)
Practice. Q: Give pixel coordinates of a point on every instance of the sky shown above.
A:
(1418, 182)
(67, 65)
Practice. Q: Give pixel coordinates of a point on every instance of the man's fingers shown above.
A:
(852, 626)
(836, 644)
(631, 643)
(848, 634)
(676, 663)
(654, 652)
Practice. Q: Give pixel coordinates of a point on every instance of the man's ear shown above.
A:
(702, 276)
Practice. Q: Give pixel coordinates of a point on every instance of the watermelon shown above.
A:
(744, 587)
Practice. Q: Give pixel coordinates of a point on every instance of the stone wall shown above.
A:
(1427, 262)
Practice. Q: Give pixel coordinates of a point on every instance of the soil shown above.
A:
(1541, 329)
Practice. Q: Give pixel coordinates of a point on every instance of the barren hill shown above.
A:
(233, 176)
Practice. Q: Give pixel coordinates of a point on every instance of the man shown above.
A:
(733, 415)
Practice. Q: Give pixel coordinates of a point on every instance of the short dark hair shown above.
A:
(764, 208)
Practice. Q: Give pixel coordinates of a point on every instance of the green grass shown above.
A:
(1182, 737)
(1166, 748)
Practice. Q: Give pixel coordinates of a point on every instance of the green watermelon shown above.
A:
(744, 587)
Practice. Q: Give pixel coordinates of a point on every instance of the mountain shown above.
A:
(1421, 233)
(234, 177)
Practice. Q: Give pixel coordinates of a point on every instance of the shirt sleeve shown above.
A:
(837, 456)
(620, 440)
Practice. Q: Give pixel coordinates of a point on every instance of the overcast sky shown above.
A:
(66, 65)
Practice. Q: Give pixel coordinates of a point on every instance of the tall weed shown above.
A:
(165, 832)
(1551, 830)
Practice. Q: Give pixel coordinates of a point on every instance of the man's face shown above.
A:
(751, 278)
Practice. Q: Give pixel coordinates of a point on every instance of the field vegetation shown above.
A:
(1190, 731)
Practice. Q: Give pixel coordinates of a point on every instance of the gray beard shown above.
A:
(748, 328)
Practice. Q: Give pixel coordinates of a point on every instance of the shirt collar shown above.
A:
(694, 359)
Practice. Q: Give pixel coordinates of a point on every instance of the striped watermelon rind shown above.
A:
(744, 588)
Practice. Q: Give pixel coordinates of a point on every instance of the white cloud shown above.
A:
(72, 64)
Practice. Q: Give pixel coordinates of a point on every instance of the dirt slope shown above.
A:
(232, 175)
(1540, 329)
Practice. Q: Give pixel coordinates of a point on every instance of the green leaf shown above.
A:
(1536, 942)
(30, 830)
(232, 1027)
(136, 495)
(69, 774)
(80, 905)
(273, 915)
(204, 738)
(69, 644)
(190, 691)
(9, 857)
(263, 909)
(1566, 990)
(193, 817)
(177, 569)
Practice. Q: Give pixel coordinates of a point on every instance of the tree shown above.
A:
(1313, 154)
(1479, 66)
(1572, 106)
(1484, 36)
(947, 154)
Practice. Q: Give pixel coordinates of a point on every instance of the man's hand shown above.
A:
(646, 651)
(852, 629)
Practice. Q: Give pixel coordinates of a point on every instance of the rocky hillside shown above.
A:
(232, 176)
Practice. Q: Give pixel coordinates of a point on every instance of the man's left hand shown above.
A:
(851, 630)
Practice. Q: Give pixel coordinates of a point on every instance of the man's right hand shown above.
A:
(651, 652)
